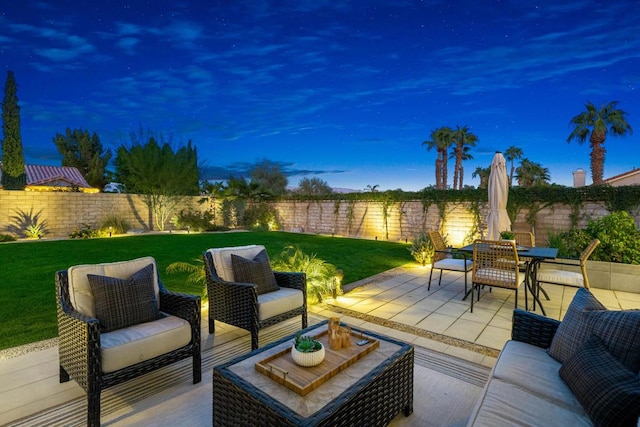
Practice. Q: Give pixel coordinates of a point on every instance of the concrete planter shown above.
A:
(610, 275)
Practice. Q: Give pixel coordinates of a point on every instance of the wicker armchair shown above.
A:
(495, 264)
(96, 359)
(239, 304)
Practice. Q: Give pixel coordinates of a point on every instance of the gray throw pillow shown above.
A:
(124, 302)
(257, 271)
(619, 332)
(607, 390)
(573, 331)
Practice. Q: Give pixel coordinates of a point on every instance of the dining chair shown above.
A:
(442, 260)
(495, 264)
(558, 276)
(525, 238)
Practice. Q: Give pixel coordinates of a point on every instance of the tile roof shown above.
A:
(61, 176)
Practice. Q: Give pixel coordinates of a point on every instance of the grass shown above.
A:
(27, 286)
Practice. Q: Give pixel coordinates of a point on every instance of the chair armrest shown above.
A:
(533, 329)
(181, 305)
(287, 279)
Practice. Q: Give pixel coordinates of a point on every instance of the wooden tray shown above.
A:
(282, 369)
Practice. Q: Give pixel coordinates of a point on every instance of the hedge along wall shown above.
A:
(403, 220)
(460, 221)
(66, 211)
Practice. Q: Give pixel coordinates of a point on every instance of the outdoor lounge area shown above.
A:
(454, 353)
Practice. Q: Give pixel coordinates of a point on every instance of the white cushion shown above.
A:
(80, 290)
(569, 278)
(222, 259)
(453, 264)
(128, 346)
(493, 274)
(278, 302)
(505, 404)
(531, 368)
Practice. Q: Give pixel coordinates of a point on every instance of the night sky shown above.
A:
(345, 91)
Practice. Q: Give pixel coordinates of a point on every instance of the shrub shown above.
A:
(34, 231)
(7, 238)
(261, 217)
(115, 224)
(619, 238)
(86, 232)
(421, 249)
(193, 220)
(322, 277)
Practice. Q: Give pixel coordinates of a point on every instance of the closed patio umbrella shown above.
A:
(498, 220)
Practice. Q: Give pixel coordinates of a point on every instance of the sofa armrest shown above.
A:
(533, 329)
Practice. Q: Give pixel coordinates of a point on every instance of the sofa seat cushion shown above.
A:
(222, 259)
(563, 277)
(80, 291)
(530, 368)
(453, 264)
(278, 302)
(144, 341)
(506, 404)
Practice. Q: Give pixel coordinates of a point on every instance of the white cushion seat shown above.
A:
(134, 344)
(562, 277)
(277, 302)
(453, 264)
(504, 276)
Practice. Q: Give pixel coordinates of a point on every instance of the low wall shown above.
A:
(62, 212)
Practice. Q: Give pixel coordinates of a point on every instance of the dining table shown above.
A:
(533, 256)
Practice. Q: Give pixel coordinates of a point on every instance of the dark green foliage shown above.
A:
(269, 177)
(14, 176)
(313, 185)
(86, 232)
(7, 238)
(619, 238)
(192, 220)
(85, 152)
(261, 217)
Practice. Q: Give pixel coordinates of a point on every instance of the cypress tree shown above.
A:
(14, 176)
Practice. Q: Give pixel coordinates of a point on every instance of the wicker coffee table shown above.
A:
(370, 392)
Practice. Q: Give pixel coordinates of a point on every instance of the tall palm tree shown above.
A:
(440, 140)
(465, 156)
(513, 153)
(532, 174)
(483, 174)
(597, 123)
(462, 138)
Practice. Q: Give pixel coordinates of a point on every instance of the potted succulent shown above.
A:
(508, 236)
(307, 351)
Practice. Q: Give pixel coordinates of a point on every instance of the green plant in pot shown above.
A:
(307, 351)
(507, 235)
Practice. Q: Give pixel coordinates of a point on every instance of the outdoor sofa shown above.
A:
(582, 371)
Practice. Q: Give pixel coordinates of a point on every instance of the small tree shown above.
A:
(314, 185)
(163, 177)
(81, 150)
(14, 176)
(269, 177)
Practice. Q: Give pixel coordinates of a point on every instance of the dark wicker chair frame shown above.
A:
(79, 345)
(533, 329)
(236, 303)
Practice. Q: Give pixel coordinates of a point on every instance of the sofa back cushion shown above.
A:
(222, 259)
(80, 291)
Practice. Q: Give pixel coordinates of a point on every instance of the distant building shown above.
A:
(628, 178)
(55, 178)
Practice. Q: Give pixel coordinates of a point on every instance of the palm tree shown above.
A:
(483, 174)
(532, 174)
(465, 156)
(440, 141)
(597, 123)
(462, 138)
(513, 153)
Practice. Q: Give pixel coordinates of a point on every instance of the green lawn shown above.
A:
(27, 287)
